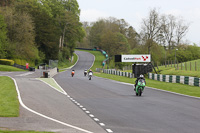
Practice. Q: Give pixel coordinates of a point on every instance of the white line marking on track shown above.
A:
(109, 130)
(96, 119)
(102, 124)
(87, 112)
(23, 105)
(91, 115)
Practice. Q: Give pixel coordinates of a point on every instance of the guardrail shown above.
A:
(119, 73)
(49, 73)
(193, 81)
(24, 67)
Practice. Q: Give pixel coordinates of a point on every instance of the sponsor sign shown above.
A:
(136, 58)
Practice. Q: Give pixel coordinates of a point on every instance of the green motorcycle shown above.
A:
(140, 87)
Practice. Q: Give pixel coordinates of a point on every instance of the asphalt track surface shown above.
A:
(111, 106)
(116, 105)
(46, 109)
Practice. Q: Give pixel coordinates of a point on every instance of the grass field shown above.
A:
(9, 68)
(9, 105)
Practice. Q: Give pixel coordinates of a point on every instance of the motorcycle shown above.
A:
(140, 87)
(90, 75)
(72, 73)
(85, 73)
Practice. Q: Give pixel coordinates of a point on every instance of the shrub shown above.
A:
(6, 62)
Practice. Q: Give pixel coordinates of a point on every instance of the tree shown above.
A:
(132, 37)
(5, 2)
(3, 37)
(181, 30)
(21, 35)
(114, 43)
(168, 28)
(95, 33)
(150, 28)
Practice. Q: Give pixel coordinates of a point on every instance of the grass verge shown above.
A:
(9, 68)
(66, 64)
(51, 82)
(9, 104)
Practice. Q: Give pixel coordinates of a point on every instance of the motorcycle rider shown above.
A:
(90, 72)
(73, 72)
(138, 78)
(85, 72)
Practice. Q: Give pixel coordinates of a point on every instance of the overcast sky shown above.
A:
(133, 11)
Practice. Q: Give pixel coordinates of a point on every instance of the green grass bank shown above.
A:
(9, 105)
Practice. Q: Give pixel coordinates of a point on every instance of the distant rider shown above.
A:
(90, 72)
(138, 78)
(73, 72)
(85, 72)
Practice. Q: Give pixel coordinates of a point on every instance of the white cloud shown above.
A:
(91, 15)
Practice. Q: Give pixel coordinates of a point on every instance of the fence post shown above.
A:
(174, 64)
(181, 66)
(177, 65)
(195, 66)
(185, 66)
(168, 63)
(171, 63)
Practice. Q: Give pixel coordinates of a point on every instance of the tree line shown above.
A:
(160, 36)
(39, 30)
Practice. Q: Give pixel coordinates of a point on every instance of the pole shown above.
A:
(175, 58)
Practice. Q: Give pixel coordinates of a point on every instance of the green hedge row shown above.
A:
(6, 62)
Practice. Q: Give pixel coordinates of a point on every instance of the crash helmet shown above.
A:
(141, 76)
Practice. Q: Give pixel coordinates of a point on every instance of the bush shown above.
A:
(6, 62)
(23, 62)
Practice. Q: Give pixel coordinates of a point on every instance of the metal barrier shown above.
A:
(193, 81)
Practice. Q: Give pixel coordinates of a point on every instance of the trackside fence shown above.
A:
(119, 73)
(193, 81)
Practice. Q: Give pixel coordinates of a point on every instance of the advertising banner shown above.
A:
(136, 58)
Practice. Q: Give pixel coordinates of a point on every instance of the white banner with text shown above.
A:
(136, 58)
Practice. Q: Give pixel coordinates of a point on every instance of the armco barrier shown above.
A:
(119, 73)
(49, 73)
(193, 81)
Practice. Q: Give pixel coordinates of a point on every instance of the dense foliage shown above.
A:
(39, 30)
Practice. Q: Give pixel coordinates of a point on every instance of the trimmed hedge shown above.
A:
(23, 62)
(7, 62)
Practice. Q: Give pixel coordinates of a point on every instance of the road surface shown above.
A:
(116, 106)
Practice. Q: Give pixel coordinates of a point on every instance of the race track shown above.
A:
(116, 105)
